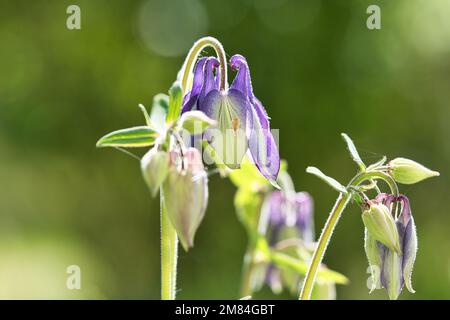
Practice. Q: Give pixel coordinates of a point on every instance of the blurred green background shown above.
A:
(315, 66)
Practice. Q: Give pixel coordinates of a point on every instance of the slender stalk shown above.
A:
(192, 57)
(169, 254)
(332, 221)
(324, 239)
(246, 282)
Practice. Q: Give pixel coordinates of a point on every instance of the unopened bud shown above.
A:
(186, 196)
(381, 225)
(155, 166)
(408, 171)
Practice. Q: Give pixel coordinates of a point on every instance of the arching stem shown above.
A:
(192, 58)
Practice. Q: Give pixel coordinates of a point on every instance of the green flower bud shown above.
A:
(381, 225)
(155, 166)
(186, 196)
(408, 172)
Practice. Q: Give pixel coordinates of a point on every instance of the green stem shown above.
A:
(247, 272)
(331, 223)
(169, 254)
(192, 57)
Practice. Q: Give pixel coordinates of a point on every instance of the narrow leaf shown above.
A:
(332, 182)
(175, 100)
(129, 138)
(324, 274)
(377, 164)
(158, 114)
(353, 152)
(146, 115)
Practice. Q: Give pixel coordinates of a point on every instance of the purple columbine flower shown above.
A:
(243, 123)
(395, 269)
(289, 216)
(287, 222)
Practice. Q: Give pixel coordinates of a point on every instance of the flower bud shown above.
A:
(396, 268)
(155, 166)
(381, 225)
(408, 172)
(186, 196)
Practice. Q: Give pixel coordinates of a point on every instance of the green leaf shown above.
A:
(196, 122)
(146, 115)
(175, 100)
(158, 114)
(324, 274)
(332, 182)
(248, 206)
(353, 152)
(249, 177)
(135, 137)
(377, 164)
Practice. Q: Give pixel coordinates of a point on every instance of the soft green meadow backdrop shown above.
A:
(315, 66)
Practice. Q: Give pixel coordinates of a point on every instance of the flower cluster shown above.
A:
(233, 123)
(231, 120)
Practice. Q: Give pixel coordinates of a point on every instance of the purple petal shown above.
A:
(408, 238)
(190, 99)
(242, 81)
(263, 148)
(409, 253)
(262, 145)
(304, 209)
(209, 81)
(405, 215)
(229, 138)
(386, 199)
(273, 279)
(391, 273)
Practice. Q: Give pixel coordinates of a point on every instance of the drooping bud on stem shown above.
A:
(155, 166)
(186, 195)
(381, 225)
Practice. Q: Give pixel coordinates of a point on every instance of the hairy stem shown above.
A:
(324, 239)
(332, 221)
(192, 58)
(169, 254)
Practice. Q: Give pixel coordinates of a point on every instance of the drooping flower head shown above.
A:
(289, 229)
(289, 216)
(395, 268)
(186, 194)
(242, 122)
